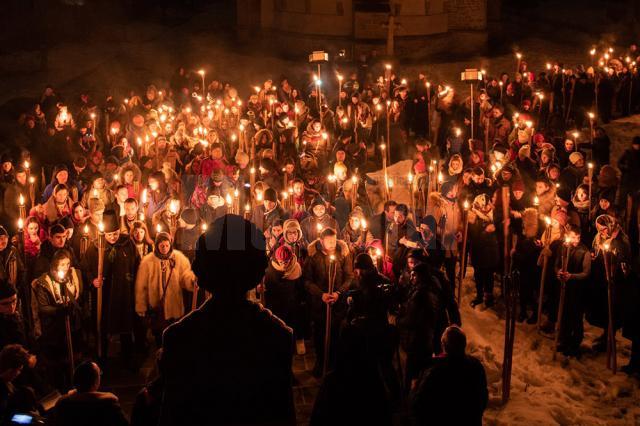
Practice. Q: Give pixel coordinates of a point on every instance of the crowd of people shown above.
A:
(168, 218)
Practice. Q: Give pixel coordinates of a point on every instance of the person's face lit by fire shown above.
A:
(164, 247)
(329, 243)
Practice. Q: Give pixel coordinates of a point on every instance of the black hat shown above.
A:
(363, 261)
(110, 221)
(230, 257)
(270, 195)
(635, 140)
(430, 221)
(6, 158)
(563, 193)
(6, 290)
(189, 216)
(3, 231)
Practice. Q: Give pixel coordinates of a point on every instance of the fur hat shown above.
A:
(292, 225)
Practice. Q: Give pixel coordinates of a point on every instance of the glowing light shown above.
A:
(101, 227)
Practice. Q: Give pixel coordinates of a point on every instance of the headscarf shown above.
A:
(480, 205)
(613, 228)
(163, 236)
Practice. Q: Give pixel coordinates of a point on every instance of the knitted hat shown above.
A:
(189, 216)
(575, 157)
(284, 254)
(517, 185)
(363, 261)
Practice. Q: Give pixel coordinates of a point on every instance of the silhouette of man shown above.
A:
(228, 362)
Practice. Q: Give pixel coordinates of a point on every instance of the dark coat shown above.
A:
(316, 277)
(227, 363)
(283, 295)
(121, 263)
(88, 409)
(417, 322)
(483, 245)
(263, 220)
(453, 391)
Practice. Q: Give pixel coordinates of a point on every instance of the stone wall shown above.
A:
(467, 14)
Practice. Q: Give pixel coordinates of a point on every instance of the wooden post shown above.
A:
(506, 212)
(101, 248)
(563, 286)
(545, 265)
(611, 331)
(327, 329)
(463, 254)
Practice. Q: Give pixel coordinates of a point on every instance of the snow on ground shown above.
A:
(543, 391)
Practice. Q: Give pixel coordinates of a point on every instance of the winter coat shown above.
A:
(263, 219)
(483, 245)
(121, 262)
(316, 269)
(149, 291)
(88, 408)
(48, 307)
(283, 294)
(453, 391)
(228, 362)
(597, 311)
(417, 323)
(449, 219)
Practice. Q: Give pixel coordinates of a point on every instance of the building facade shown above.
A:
(402, 27)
